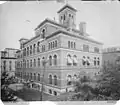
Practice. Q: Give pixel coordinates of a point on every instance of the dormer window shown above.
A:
(43, 33)
(61, 17)
(69, 15)
(64, 17)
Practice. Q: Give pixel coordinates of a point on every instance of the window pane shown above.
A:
(55, 59)
(68, 44)
(86, 48)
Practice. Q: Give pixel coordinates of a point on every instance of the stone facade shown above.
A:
(111, 55)
(8, 60)
(66, 51)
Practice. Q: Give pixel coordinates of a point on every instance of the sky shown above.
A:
(19, 19)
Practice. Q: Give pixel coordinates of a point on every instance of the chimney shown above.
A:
(82, 28)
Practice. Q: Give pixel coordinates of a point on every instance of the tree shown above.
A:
(6, 93)
(107, 87)
(109, 83)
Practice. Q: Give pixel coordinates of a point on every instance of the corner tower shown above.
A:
(67, 16)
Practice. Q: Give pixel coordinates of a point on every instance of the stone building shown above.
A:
(66, 50)
(111, 55)
(8, 60)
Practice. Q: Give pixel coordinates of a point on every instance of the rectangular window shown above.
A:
(38, 77)
(43, 48)
(85, 48)
(50, 91)
(10, 65)
(4, 65)
(96, 49)
(34, 76)
(68, 44)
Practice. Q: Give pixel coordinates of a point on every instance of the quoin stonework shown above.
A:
(60, 51)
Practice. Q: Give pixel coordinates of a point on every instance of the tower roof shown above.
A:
(67, 6)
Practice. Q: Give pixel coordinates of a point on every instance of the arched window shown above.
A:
(71, 44)
(98, 62)
(50, 60)
(34, 62)
(69, 82)
(55, 80)
(75, 76)
(38, 62)
(50, 91)
(43, 60)
(68, 44)
(43, 33)
(31, 63)
(56, 43)
(61, 18)
(27, 51)
(53, 44)
(74, 45)
(34, 47)
(55, 93)
(94, 61)
(64, 16)
(55, 59)
(30, 49)
(88, 61)
(38, 77)
(69, 15)
(27, 63)
(34, 76)
(84, 60)
(43, 48)
(50, 79)
(75, 62)
(69, 60)
(38, 45)
(49, 46)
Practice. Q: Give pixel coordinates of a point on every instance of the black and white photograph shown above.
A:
(60, 51)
